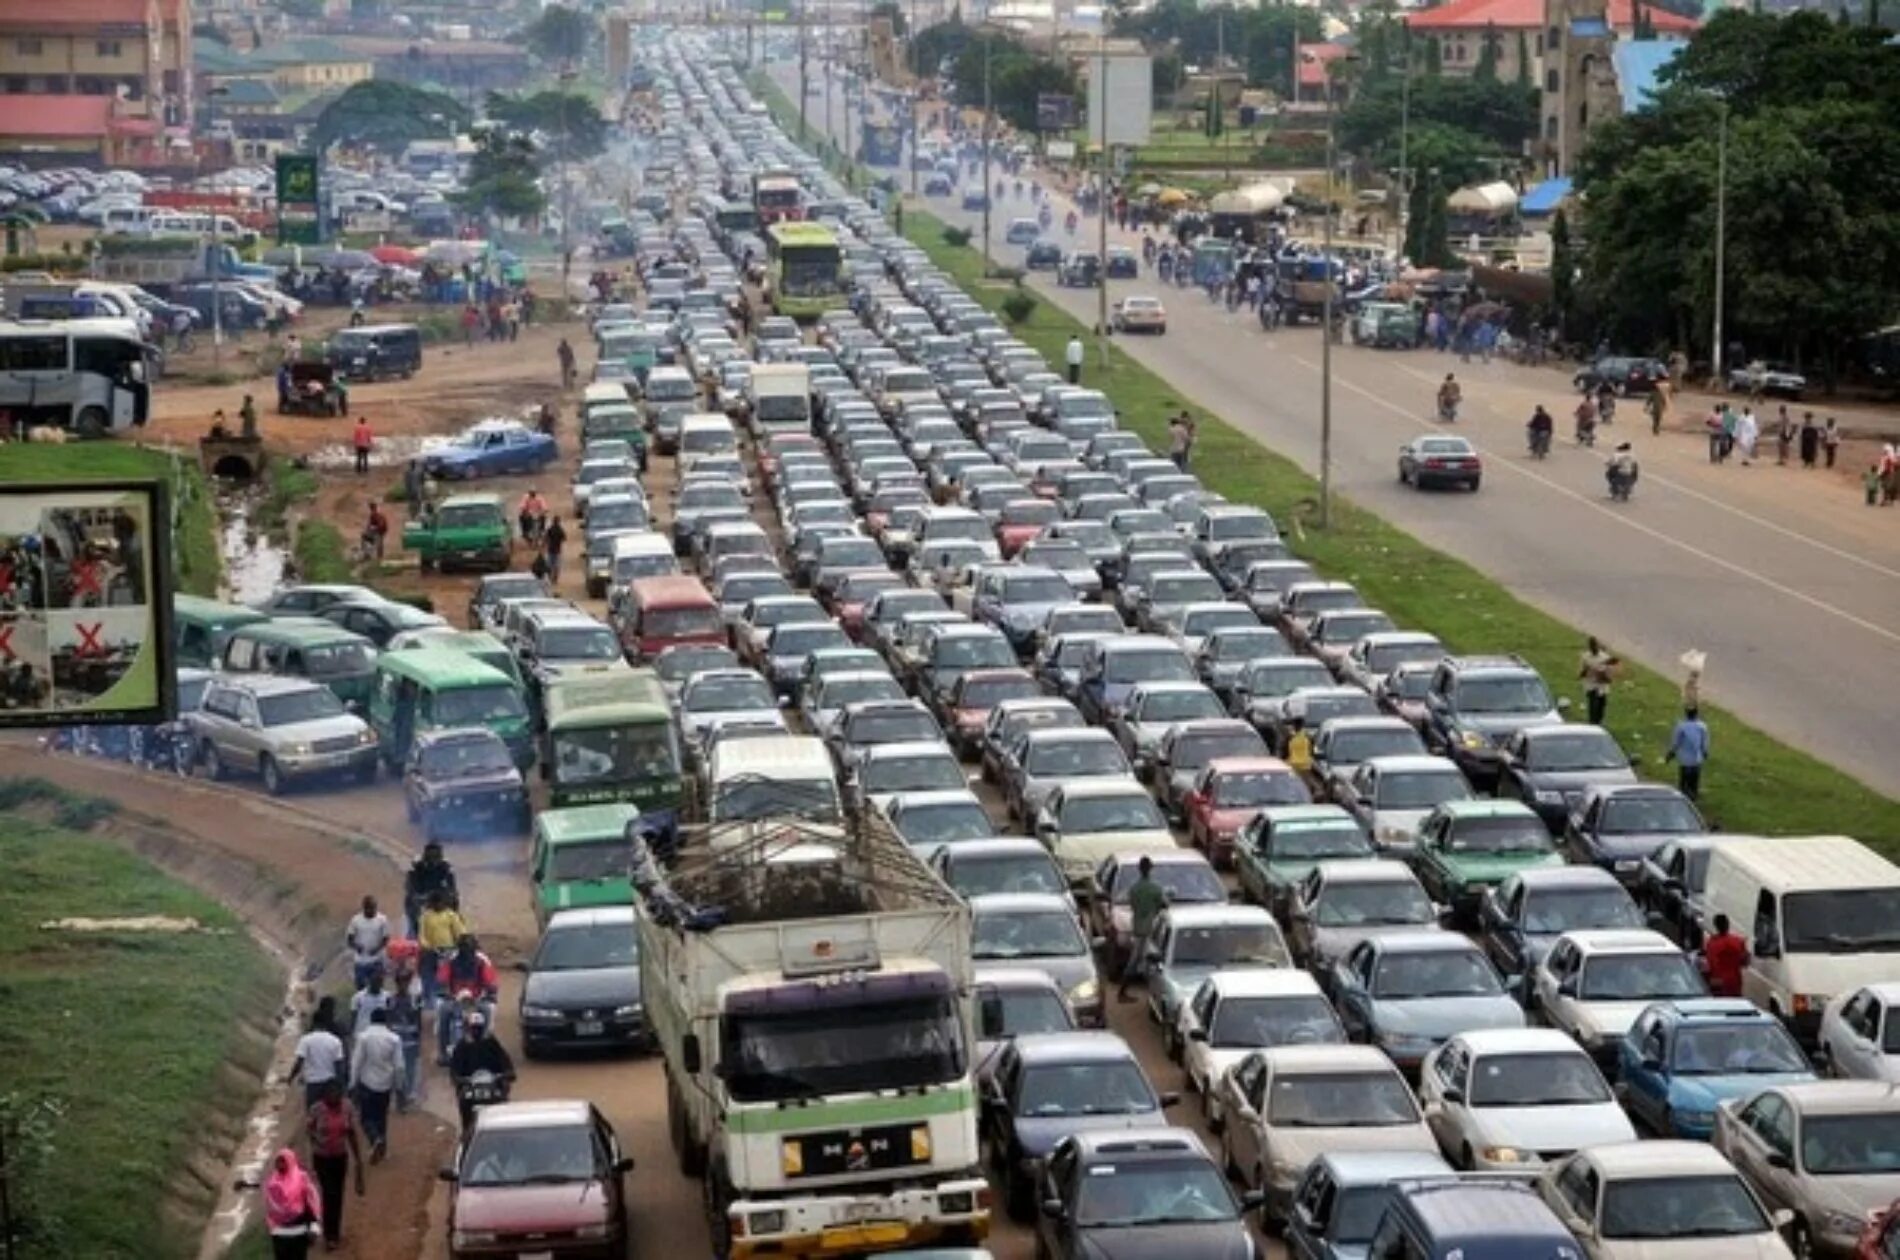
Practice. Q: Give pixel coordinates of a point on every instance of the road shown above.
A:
(1783, 577)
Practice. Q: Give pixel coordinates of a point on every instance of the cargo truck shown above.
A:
(808, 990)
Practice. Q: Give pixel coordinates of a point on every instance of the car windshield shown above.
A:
(604, 518)
(1252, 1023)
(1409, 684)
(1095, 1088)
(729, 695)
(338, 659)
(1549, 911)
(895, 728)
(1504, 693)
(750, 798)
(1733, 1049)
(597, 754)
(944, 824)
(1680, 1207)
(1311, 602)
(1179, 706)
(587, 948)
(1185, 589)
(826, 1047)
(1864, 1145)
(1848, 920)
(1351, 627)
(1185, 883)
(517, 586)
(1175, 1192)
(1567, 1079)
(802, 640)
(794, 611)
(1227, 945)
(580, 643)
(1019, 1012)
(1316, 842)
(987, 693)
(1006, 873)
(1649, 813)
(610, 857)
(679, 664)
(921, 773)
(852, 553)
(1074, 758)
(1421, 789)
(1003, 934)
(1283, 677)
(1382, 902)
(976, 651)
(1327, 1100)
(1048, 589)
(1582, 750)
(292, 707)
(463, 756)
(1638, 978)
(1029, 512)
(550, 1155)
(1056, 555)
(1246, 644)
(476, 706)
(1147, 665)
(1358, 1214)
(1256, 788)
(1350, 747)
(845, 691)
(1435, 973)
(1498, 835)
(1386, 657)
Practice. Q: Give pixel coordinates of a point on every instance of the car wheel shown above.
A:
(210, 764)
(273, 777)
(1474, 484)
(181, 760)
(1018, 1193)
(530, 1049)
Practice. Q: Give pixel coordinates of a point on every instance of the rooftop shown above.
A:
(1528, 15)
(35, 15)
(51, 117)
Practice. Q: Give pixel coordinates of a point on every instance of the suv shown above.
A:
(1623, 374)
(1475, 704)
(463, 781)
(281, 729)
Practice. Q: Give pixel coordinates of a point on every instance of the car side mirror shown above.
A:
(1779, 1159)
(521, 965)
(1563, 704)
(1053, 1209)
(1170, 1098)
(624, 1164)
(1651, 1064)
(1567, 989)
(1451, 1094)
(1197, 1034)
(447, 1174)
(1254, 1200)
(1782, 1217)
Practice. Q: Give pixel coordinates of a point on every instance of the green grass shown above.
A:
(196, 538)
(320, 553)
(123, 1032)
(285, 486)
(318, 549)
(1754, 783)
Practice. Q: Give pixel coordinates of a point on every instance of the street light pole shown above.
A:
(1101, 199)
(1326, 330)
(1405, 140)
(989, 45)
(916, 79)
(804, 85)
(1721, 237)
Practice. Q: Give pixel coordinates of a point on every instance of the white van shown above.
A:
(1821, 914)
(772, 776)
(704, 433)
(130, 220)
(645, 553)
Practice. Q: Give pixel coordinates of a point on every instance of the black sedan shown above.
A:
(583, 985)
(1549, 768)
(1617, 826)
(1147, 1193)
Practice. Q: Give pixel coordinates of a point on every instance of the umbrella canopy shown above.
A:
(1172, 197)
(1147, 190)
(344, 260)
(398, 254)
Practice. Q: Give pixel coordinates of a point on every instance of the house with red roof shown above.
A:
(105, 79)
(1519, 29)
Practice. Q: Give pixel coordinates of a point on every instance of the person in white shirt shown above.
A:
(1074, 358)
(367, 939)
(376, 1065)
(320, 1056)
(366, 1001)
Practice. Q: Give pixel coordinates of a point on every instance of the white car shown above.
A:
(1234, 1013)
(1504, 1098)
(1391, 796)
(1658, 1200)
(1594, 984)
(1860, 1034)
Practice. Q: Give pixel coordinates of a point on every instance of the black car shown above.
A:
(1080, 270)
(1150, 1192)
(1520, 919)
(1617, 827)
(1550, 767)
(1123, 263)
(1476, 703)
(583, 984)
(1624, 374)
(1043, 256)
(463, 781)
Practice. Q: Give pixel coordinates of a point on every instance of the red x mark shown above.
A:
(86, 579)
(6, 579)
(89, 644)
(6, 645)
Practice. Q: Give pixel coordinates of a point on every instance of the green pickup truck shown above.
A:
(1466, 847)
(465, 530)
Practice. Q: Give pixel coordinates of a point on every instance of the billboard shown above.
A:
(1127, 81)
(85, 604)
(299, 194)
(1055, 111)
(883, 144)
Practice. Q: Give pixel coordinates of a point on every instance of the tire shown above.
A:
(1473, 484)
(1466, 1159)
(692, 1156)
(92, 422)
(210, 764)
(273, 777)
(1019, 1195)
(369, 773)
(1402, 477)
(182, 761)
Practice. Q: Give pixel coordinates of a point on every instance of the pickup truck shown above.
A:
(468, 530)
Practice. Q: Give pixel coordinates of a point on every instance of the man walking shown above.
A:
(1689, 749)
(1146, 900)
(554, 538)
(1724, 955)
(1073, 356)
(367, 937)
(1598, 670)
(566, 355)
(376, 1065)
(1180, 439)
(362, 440)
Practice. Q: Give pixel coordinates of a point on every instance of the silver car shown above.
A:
(281, 729)
(1828, 1151)
(1039, 930)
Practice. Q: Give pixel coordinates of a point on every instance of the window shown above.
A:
(1576, 1185)
(1767, 934)
(1550, 80)
(33, 353)
(107, 47)
(28, 47)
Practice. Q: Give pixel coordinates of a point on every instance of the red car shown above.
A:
(1022, 520)
(1231, 790)
(974, 695)
(855, 592)
(1881, 1239)
(539, 1178)
(776, 446)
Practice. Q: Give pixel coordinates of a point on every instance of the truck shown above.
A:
(778, 399)
(808, 991)
(157, 261)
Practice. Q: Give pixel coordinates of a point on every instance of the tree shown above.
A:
(1563, 268)
(1486, 71)
(502, 177)
(1434, 58)
(557, 116)
(890, 10)
(560, 34)
(385, 114)
(1524, 79)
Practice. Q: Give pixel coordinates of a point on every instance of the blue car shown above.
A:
(975, 201)
(493, 448)
(1679, 1060)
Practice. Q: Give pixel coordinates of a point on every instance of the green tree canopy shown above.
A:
(553, 115)
(561, 33)
(387, 115)
(502, 177)
(1260, 38)
(1017, 76)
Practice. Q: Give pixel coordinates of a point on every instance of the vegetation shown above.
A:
(320, 553)
(1755, 783)
(113, 1042)
(1258, 39)
(556, 116)
(1462, 127)
(387, 115)
(561, 33)
(503, 177)
(1017, 76)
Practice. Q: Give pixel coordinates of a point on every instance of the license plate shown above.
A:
(588, 1028)
(860, 1211)
(536, 1255)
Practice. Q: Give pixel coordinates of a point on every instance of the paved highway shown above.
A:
(1787, 582)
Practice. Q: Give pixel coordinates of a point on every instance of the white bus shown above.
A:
(87, 375)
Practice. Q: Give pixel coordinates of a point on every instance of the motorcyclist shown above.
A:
(1586, 422)
(1449, 396)
(428, 874)
(533, 515)
(1621, 471)
(1606, 402)
(467, 970)
(477, 1052)
(1541, 427)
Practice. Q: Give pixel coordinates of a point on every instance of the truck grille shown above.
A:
(335, 744)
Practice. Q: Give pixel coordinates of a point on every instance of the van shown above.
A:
(732, 538)
(1452, 1218)
(645, 553)
(706, 433)
(612, 737)
(376, 351)
(298, 647)
(130, 220)
(479, 644)
(201, 627)
(437, 688)
(772, 776)
(1822, 914)
(580, 857)
(662, 612)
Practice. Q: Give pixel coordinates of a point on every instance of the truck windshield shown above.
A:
(804, 1054)
(615, 752)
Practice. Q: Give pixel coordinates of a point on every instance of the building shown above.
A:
(47, 129)
(294, 69)
(137, 52)
(1521, 29)
(1598, 71)
(1315, 81)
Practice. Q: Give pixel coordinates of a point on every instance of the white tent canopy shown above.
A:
(1494, 198)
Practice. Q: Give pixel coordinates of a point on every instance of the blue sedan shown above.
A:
(491, 449)
(1679, 1061)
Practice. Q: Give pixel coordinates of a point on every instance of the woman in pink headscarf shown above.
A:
(292, 1209)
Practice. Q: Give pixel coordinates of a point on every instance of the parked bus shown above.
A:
(87, 375)
(804, 269)
(777, 197)
(611, 737)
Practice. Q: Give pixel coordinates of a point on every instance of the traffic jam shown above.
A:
(935, 777)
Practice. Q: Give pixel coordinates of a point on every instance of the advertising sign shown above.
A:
(1123, 83)
(85, 604)
(299, 190)
(1055, 112)
(883, 144)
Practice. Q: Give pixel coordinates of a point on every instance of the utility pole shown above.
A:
(1100, 87)
(916, 78)
(217, 244)
(1218, 113)
(989, 45)
(1326, 330)
(1721, 238)
(804, 83)
(1405, 140)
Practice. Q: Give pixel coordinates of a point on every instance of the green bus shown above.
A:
(581, 858)
(436, 688)
(201, 627)
(305, 647)
(611, 737)
(804, 269)
(484, 647)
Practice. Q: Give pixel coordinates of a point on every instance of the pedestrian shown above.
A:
(1299, 748)
(1598, 671)
(367, 938)
(319, 1058)
(247, 419)
(361, 440)
(471, 320)
(283, 386)
(331, 1125)
(1810, 439)
(1180, 439)
(1724, 955)
(366, 1001)
(565, 353)
(293, 349)
(1747, 434)
(1146, 900)
(293, 1210)
(404, 1017)
(1830, 441)
(1689, 749)
(1717, 428)
(412, 487)
(376, 1066)
(1731, 419)
(1889, 475)
(1870, 482)
(1073, 357)
(554, 538)
(1784, 436)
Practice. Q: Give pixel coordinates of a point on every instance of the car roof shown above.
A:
(1711, 1010)
(1381, 722)
(1621, 941)
(908, 748)
(270, 684)
(1492, 1211)
(1069, 1047)
(1376, 1168)
(1487, 808)
(588, 917)
(1264, 982)
(1482, 1041)
(1328, 1058)
(1659, 1158)
(1409, 763)
(994, 846)
(1216, 915)
(1843, 1097)
(1017, 979)
(1424, 941)
(534, 1115)
(1123, 1145)
(1247, 765)
(1580, 876)
(1365, 871)
(1010, 902)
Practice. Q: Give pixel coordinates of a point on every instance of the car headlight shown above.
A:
(296, 750)
(539, 1012)
(475, 1238)
(1393, 835)
(1504, 1155)
(1085, 994)
(629, 1011)
(365, 737)
(771, 1222)
(1843, 1223)
(1471, 740)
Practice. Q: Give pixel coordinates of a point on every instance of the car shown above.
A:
(1409, 992)
(307, 599)
(1393, 796)
(378, 620)
(462, 781)
(1622, 373)
(1618, 826)
(1343, 743)
(1013, 1002)
(1012, 717)
(1137, 313)
(1043, 760)
(1049, 1087)
(976, 200)
(1439, 460)
(966, 707)
(1342, 1197)
(1287, 1106)
(872, 723)
(1467, 847)
(545, 1176)
(1022, 232)
(1228, 792)
(492, 448)
(1550, 767)
(1226, 653)
(1038, 930)
(1824, 1151)
(1672, 888)
(1508, 1099)
(886, 770)
(1152, 708)
(582, 988)
(1236, 1012)
(1187, 944)
(1774, 380)
(1376, 655)
(1184, 876)
(1522, 917)
(1476, 703)
(1042, 256)
(824, 700)
(1332, 635)
(1592, 984)
(998, 864)
(1402, 692)
(284, 730)
(1860, 1033)
(1123, 263)
(927, 820)
(1189, 747)
(495, 589)
(1640, 1200)
(1155, 1190)
(722, 693)
(1281, 845)
(1680, 1059)
(1080, 269)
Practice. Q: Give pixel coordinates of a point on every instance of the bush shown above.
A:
(1018, 307)
(956, 237)
(58, 264)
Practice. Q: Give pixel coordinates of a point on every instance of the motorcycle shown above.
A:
(1540, 443)
(1448, 410)
(478, 1090)
(1621, 481)
(1586, 433)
